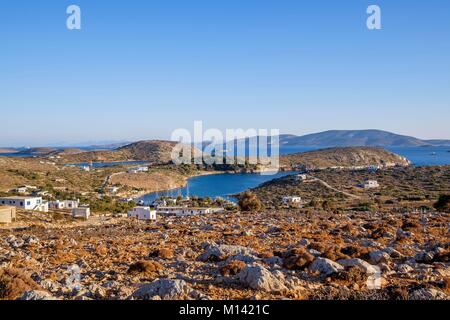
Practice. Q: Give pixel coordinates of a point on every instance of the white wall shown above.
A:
(25, 203)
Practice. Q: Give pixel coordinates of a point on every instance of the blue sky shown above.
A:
(140, 69)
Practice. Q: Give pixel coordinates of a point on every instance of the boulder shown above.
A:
(424, 257)
(325, 266)
(219, 252)
(259, 278)
(379, 256)
(404, 268)
(167, 289)
(428, 294)
(361, 264)
(36, 295)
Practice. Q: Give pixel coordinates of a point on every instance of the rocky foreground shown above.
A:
(282, 255)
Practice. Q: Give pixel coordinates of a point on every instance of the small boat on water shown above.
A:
(434, 154)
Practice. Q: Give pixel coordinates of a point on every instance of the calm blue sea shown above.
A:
(223, 185)
(216, 185)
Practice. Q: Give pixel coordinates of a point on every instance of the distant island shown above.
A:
(362, 138)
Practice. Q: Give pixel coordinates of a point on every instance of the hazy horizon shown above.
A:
(91, 143)
(138, 72)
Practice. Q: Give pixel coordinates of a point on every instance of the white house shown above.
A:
(20, 190)
(26, 203)
(65, 204)
(81, 212)
(56, 205)
(71, 204)
(185, 211)
(86, 168)
(138, 169)
(370, 184)
(142, 213)
(291, 200)
(113, 189)
(301, 177)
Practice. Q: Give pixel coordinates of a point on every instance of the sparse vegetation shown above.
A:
(248, 201)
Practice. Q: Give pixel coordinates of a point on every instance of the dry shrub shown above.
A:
(145, 267)
(319, 246)
(356, 252)
(397, 293)
(232, 268)
(101, 250)
(298, 259)
(249, 201)
(163, 253)
(410, 225)
(446, 285)
(353, 275)
(14, 282)
(334, 253)
(379, 232)
(442, 257)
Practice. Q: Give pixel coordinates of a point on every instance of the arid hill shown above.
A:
(344, 157)
(7, 150)
(154, 151)
(38, 151)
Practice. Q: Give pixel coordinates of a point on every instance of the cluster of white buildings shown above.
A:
(187, 211)
(37, 204)
(148, 214)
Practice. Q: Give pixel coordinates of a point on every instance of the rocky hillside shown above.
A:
(151, 150)
(154, 151)
(344, 157)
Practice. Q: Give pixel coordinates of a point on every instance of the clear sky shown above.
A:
(140, 69)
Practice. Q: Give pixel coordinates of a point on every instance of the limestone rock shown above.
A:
(428, 294)
(37, 295)
(325, 266)
(167, 289)
(259, 278)
(218, 252)
(361, 264)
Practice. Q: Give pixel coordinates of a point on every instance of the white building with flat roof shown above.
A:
(186, 211)
(142, 213)
(291, 200)
(370, 184)
(81, 212)
(26, 203)
(64, 204)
